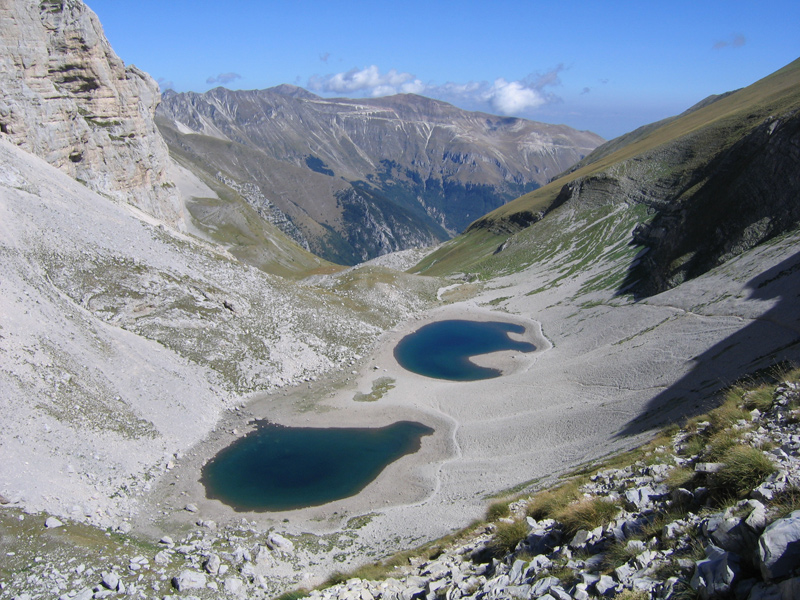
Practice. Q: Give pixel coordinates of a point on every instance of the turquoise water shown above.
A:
(283, 468)
(442, 350)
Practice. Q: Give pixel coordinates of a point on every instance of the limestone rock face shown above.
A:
(68, 98)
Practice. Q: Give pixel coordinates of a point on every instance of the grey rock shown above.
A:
(606, 586)
(682, 497)
(124, 527)
(81, 127)
(212, 564)
(734, 535)
(559, 593)
(779, 547)
(539, 563)
(757, 519)
(52, 523)
(111, 580)
(639, 498)
(188, 580)
(190, 508)
(543, 586)
(277, 542)
(517, 571)
(714, 576)
(543, 542)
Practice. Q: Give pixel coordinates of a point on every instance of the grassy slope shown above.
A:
(230, 221)
(724, 121)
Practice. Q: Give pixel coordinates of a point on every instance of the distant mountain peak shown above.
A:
(293, 91)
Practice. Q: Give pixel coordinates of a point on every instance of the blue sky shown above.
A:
(604, 66)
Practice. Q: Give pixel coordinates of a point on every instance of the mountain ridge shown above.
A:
(430, 167)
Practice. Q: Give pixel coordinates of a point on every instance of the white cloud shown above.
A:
(513, 97)
(224, 78)
(369, 81)
(501, 96)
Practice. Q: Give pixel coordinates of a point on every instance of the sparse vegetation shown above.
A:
(508, 535)
(548, 503)
(497, 510)
(587, 514)
(744, 468)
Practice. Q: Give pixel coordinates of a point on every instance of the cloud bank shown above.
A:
(502, 96)
(223, 78)
(737, 40)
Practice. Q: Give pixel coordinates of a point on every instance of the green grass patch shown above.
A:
(546, 504)
(497, 510)
(380, 387)
(508, 535)
(587, 514)
(745, 468)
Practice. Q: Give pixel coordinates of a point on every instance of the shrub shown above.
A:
(587, 514)
(745, 468)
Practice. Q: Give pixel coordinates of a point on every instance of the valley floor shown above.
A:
(605, 373)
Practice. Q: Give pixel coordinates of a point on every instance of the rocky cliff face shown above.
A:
(416, 170)
(70, 100)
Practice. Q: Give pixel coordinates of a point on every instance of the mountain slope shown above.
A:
(700, 188)
(361, 178)
(67, 98)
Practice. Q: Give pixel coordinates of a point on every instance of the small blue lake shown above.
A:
(283, 468)
(442, 350)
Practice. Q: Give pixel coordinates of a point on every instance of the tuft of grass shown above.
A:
(617, 555)
(719, 443)
(745, 468)
(786, 502)
(587, 514)
(759, 398)
(567, 576)
(293, 595)
(508, 535)
(679, 477)
(546, 504)
(335, 578)
(497, 510)
(632, 595)
(727, 414)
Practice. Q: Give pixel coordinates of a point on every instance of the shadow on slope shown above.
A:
(744, 196)
(770, 339)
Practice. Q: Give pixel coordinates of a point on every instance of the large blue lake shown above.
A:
(442, 350)
(283, 468)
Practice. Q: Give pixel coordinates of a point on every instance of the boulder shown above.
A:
(188, 580)
(277, 542)
(52, 523)
(212, 564)
(779, 548)
(714, 576)
(111, 580)
(233, 586)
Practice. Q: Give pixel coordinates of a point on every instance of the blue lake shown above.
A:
(442, 350)
(284, 468)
